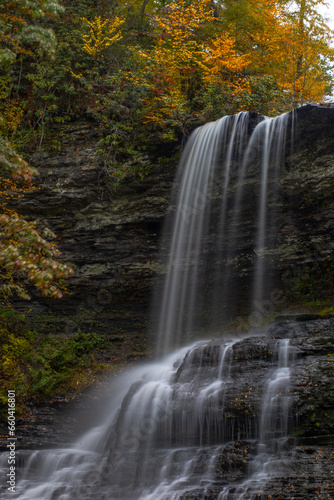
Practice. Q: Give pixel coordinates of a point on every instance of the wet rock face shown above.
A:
(222, 397)
(207, 434)
(303, 465)
(248, 365)
(112, 240)
(296, 220)
(109, 237)
(306, 217)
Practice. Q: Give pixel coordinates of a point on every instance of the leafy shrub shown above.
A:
(38, 366)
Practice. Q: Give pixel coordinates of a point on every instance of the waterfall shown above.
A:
(273, 430)
(227, 179)
(271, 135)
(204, 176)
(175, 420)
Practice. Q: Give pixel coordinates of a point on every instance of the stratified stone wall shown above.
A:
(111, 237)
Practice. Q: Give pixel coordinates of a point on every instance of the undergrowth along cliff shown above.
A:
(43, 367)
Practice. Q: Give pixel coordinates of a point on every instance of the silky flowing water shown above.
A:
(173, 419)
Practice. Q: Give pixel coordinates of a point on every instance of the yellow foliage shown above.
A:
(188, 56)
(75, 75)
(301, 74)
(12, 114)
(5, 85)
(11, 111)
(180, 22)
(221, 57)
(286, 46)
(101, 34)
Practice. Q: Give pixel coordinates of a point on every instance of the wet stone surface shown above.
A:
(209, 441)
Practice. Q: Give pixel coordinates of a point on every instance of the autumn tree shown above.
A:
(146, 70)
(308, 55)
(25, 253)
(288, 45)
(213, 59)
(23, 39)
(189, 56)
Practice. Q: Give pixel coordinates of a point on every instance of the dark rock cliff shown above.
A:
(112, 242)
(304, 464)
(111, 237)
(297, 223)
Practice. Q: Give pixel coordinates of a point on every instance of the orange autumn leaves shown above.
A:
(195, 50)
(185, 32)
(186, 57)
(290, 46)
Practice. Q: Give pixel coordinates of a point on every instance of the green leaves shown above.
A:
(19, 30)
(42, 40)
(36, 9)
(25, 253)
(11, 164)
(52, 7)
(7, 57)
(41, 366)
